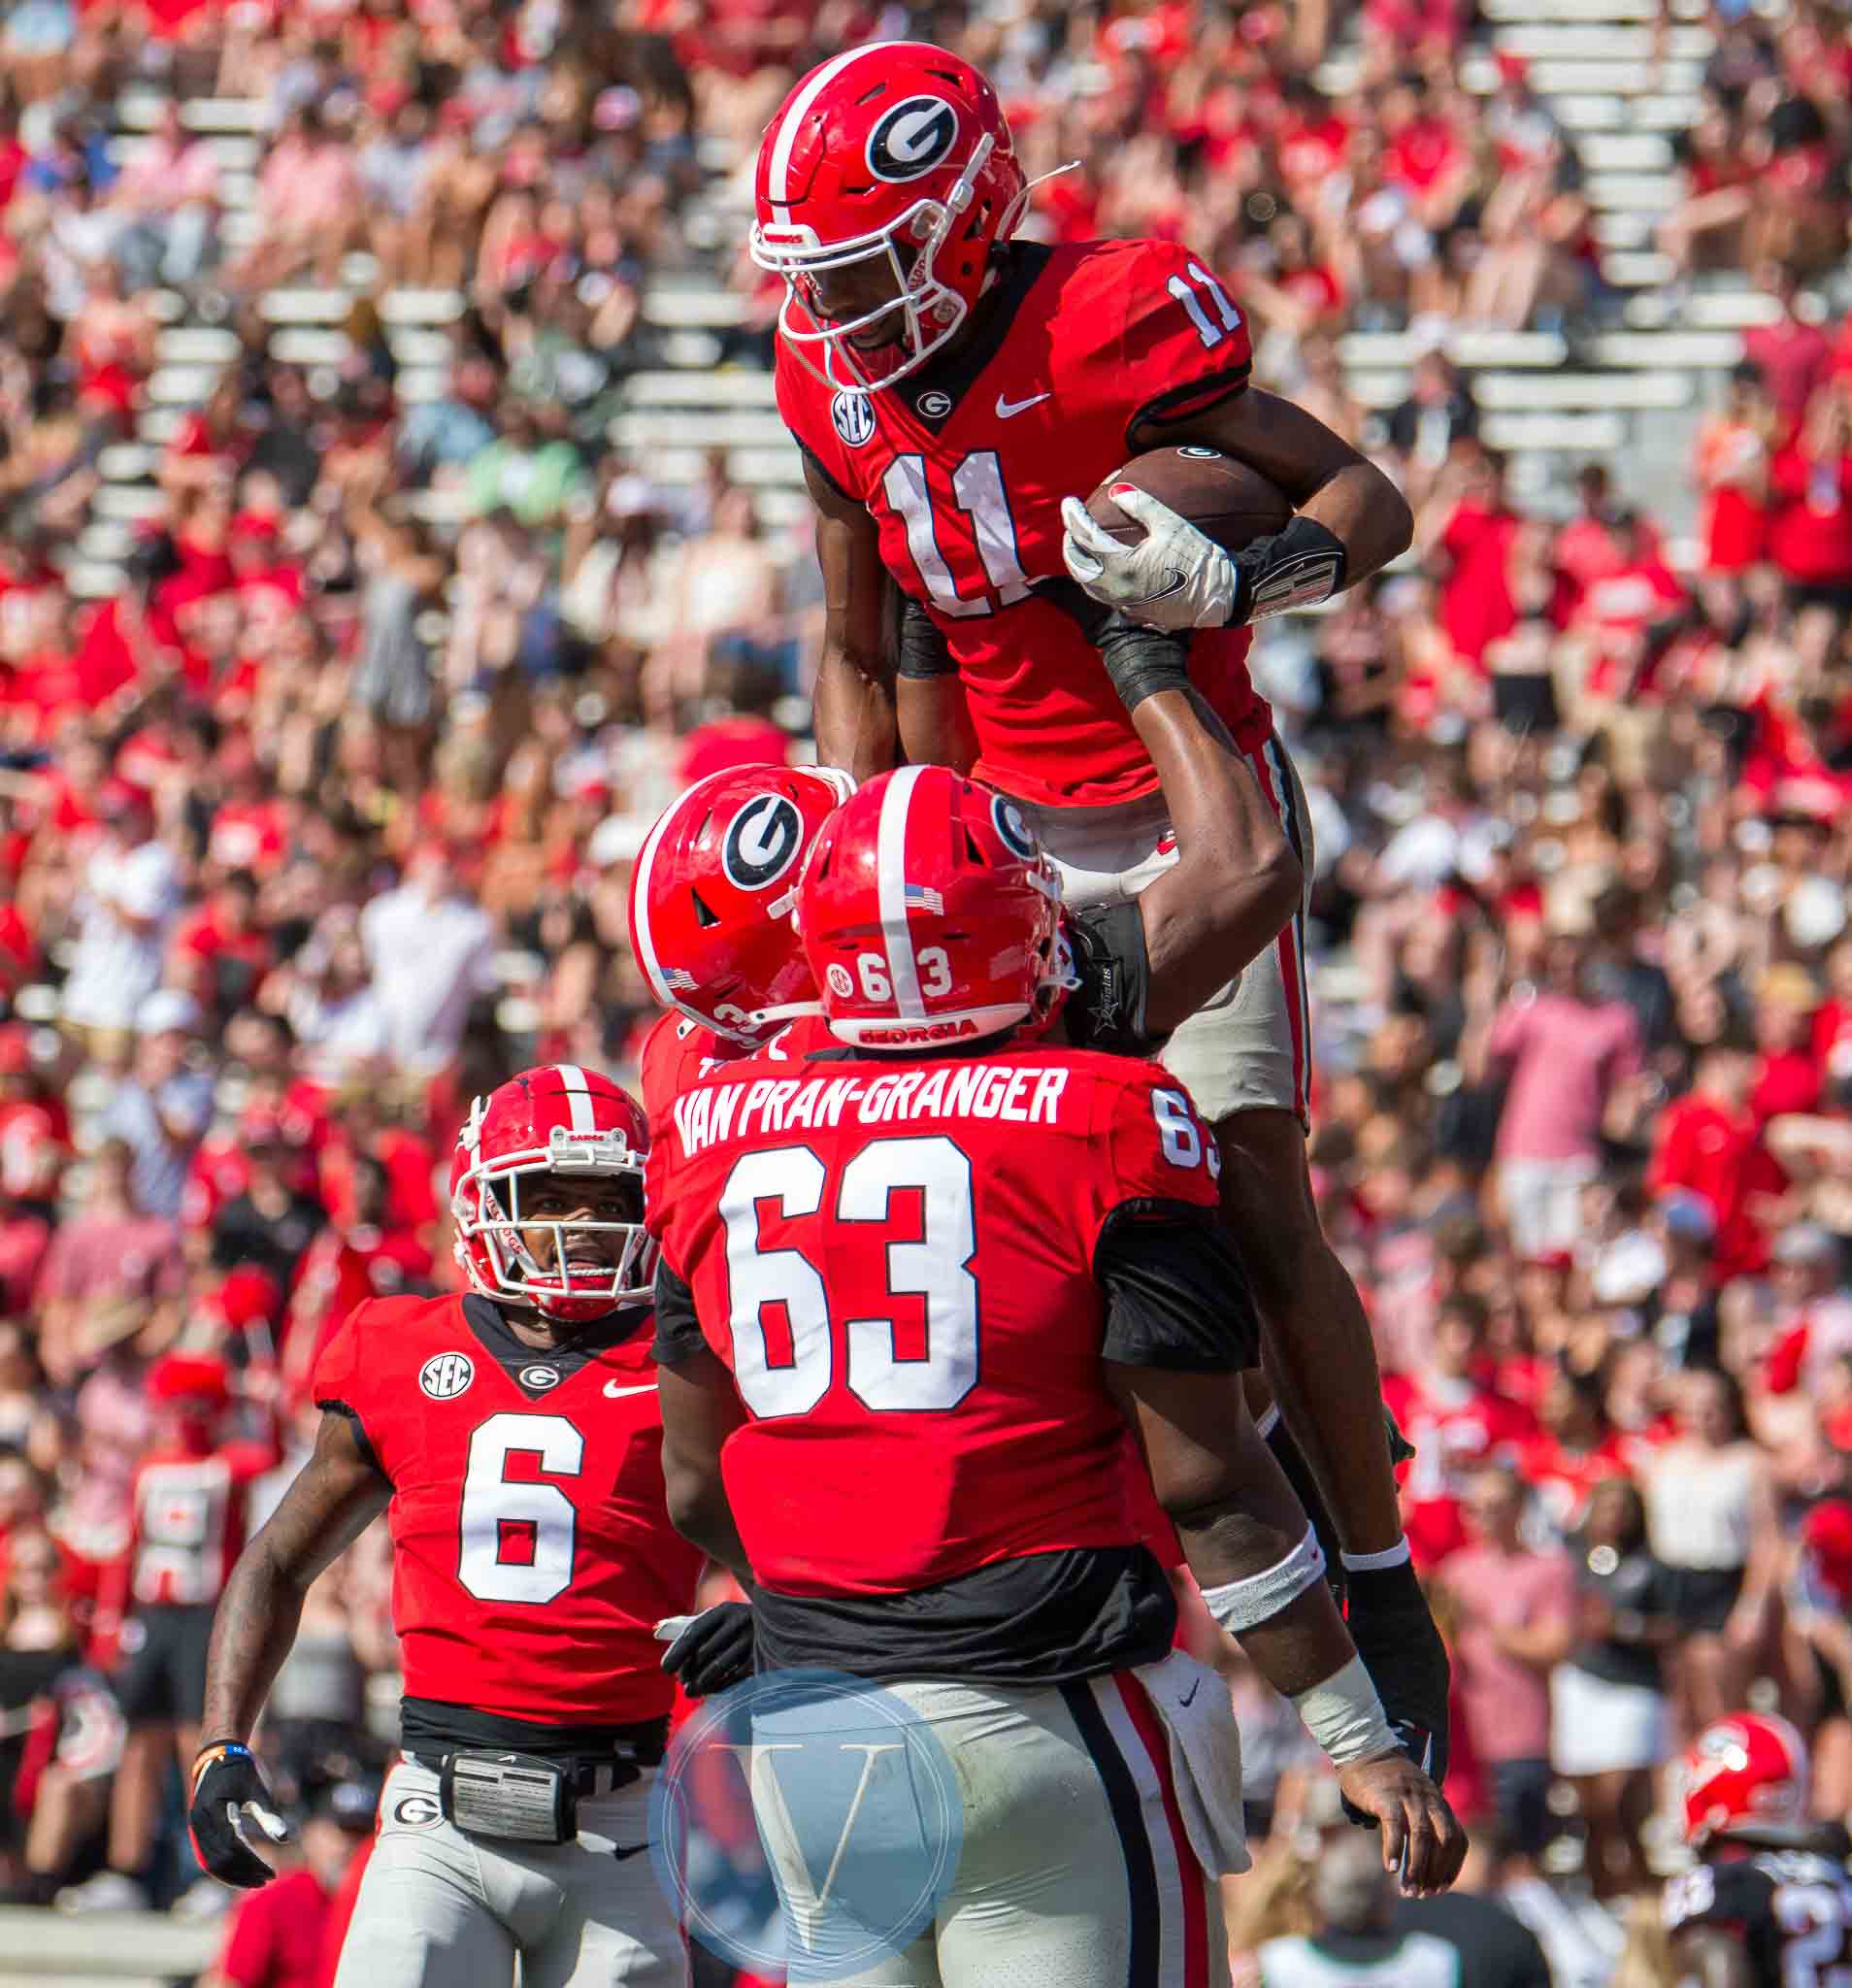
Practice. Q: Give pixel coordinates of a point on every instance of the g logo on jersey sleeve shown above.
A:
(445, 1375)
(852, 416)
(763, 842)
(912, 139)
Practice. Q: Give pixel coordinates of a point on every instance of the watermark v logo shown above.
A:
(805, 1825)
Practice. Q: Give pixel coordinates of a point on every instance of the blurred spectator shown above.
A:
(1423, 429)
(1516, 1614)
(1353, 1904)
(162, 1108)
(1810, 506)
(430, 949)
(131, 894)
(1732, 471)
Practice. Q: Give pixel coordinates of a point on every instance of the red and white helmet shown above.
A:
(929, 913)
(897, 152)
(1744, 1776)
(712, 895)
(555, 1119)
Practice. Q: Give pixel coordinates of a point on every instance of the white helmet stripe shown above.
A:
(640, 906)
(890, 873)
(778, 172)
(578, 1098)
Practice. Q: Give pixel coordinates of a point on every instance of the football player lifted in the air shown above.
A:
(1768, 1903)
(912, 1294)
(511, 1437)
(954, 393)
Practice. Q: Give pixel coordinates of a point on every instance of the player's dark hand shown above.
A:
(1422, 1840)
(229, 1791)
(711, 1651)
(1393, 1628)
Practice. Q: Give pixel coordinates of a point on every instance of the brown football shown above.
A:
(1224, 499)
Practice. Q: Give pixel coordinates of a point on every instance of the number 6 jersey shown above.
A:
(532, 1553)
(964, 464)
(913, 1272)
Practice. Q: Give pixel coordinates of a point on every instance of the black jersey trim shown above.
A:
(432, 1726)
(954, 374)
(678, 1335)
(362, 1440)
(496, 1338)
(1127, 1819)
(815, 461)
(1176, 1294)
(1180, 403)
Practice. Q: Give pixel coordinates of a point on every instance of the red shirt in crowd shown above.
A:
(1736, 513)
(1477, 607)
(1809, 535)
(1719, 1155)
(1456, 1427)
(277, 1935)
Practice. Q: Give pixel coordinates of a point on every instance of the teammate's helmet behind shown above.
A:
(1743, 1777)
(929, 913)
(712, 895)
(895, 157)
(557, 1119)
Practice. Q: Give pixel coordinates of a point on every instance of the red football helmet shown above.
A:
(712, 895)
(556, 1119)
(895, 155)
(929, 913)
(1744, 1776)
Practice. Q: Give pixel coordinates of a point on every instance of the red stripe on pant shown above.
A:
(1286, 948)
(1157, 1746)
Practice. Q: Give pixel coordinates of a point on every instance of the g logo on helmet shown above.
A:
(852, 416)
(763, 842)
(1014, 829)
(445, 1375)
(912, 139)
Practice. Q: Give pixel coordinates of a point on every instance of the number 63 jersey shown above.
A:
(963, 466)
(532, 1553)
(913, 1272)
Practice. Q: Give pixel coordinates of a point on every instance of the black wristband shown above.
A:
(1298, 567)
(1143, 661)
(1107, 1010)
(923, 648)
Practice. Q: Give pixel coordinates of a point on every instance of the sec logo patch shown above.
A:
(841, 983)
(445, 1375)
(417, 1811)
(852, 416)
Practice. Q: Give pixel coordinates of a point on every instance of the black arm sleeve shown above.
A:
(815, 462)
(922, 649)
(677, 1329)
(361, 1440)
(1176, 1294)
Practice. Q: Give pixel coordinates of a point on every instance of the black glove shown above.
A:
(227, 1786)
(712, 1651)
(1105, 1009)
(1393, 1629)
(1298, 567)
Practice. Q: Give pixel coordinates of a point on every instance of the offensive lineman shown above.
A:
(1769, 1905)
(952, 392)
(513, 1439)
(954, 1268)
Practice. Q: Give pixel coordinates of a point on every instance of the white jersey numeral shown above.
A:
(978, 485)
(1185, 290)
(783, 1364)
(518, 1538)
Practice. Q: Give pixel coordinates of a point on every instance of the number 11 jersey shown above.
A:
(963, 466)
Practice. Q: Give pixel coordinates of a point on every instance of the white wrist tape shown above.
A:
(1239, 1605)
(1344, 1715)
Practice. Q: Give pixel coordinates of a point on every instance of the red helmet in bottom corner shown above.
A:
(712, 895)
(556, 1120)
(1744, 1776)
(930, 915)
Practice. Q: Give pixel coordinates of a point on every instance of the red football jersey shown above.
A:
(532, 1548)
(964, 466)
(677, 1052)
(191, 1516)
(940, 1399)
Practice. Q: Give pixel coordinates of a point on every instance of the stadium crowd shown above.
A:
(322, 821)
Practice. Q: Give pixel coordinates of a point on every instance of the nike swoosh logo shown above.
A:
(1174, 586)
(612, 1392)
(623, 1850)
(1007, 407)
(1196, 1685)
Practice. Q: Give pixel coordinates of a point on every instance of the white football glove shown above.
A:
(1174, 578)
